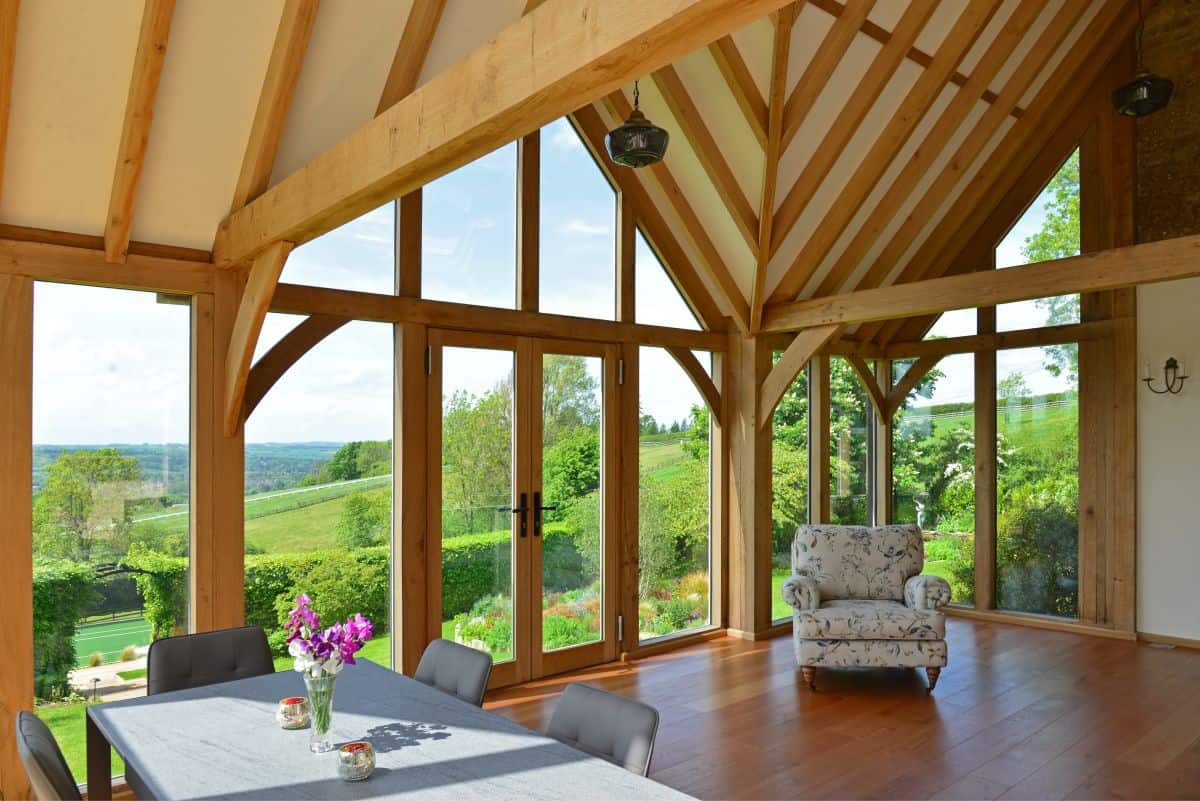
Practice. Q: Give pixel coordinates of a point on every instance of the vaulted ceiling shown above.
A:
(833, 146)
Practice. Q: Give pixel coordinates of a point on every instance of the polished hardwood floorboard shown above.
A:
(1019, 713)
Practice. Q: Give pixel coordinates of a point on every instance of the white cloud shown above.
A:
(576, 226)
(444, 246)
(565, 138)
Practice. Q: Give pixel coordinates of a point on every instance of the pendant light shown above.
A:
(1147, 92)
(637, 141)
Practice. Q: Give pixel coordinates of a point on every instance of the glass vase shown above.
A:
(320, 702)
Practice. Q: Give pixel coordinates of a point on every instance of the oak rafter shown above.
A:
(741, 85)
(412, 51)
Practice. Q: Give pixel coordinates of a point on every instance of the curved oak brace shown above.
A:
(867, 376)
(906, 384)
(798, 353)
(252, 310)
(286, 352)
(703, 381)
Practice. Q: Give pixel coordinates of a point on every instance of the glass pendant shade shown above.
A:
(1145, 94)
(637, 141)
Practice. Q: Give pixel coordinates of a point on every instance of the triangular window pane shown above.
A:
(658, 301)
(359, 255)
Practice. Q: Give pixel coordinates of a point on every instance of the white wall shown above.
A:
(1169, 464)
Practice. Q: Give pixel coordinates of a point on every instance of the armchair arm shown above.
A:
(801, 593)
(926, 592)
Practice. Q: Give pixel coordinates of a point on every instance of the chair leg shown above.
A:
(810, 677)
(933, 673)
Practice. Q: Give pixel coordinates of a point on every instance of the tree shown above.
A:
(364, 521)
(571, 470)
(476, 458)
(84, 503)
(569, 397)
(1059, 239)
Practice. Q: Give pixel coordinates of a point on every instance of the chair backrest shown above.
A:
(606, 725)
(48, 772)
(859, 562)
(211, 657)
(455, 670)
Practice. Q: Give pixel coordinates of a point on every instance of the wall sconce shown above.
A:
(1173, 378)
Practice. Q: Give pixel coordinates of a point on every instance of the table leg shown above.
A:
(99, 764)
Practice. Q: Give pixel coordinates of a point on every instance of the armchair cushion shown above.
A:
(868, 620)
(926, 592)
(801, 592)
(858, 562)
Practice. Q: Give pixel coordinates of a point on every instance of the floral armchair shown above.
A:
(857, 600)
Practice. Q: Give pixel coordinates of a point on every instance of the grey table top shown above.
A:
(222, 741)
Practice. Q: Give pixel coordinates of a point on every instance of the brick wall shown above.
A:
(1168, 143)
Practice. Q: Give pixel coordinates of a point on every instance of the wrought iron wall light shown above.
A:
(1147, 92)
(637, 142)
(1173, 378)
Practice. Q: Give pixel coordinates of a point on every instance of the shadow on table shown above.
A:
(434, 775)
(397, 735)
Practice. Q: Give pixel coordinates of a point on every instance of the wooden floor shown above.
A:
(1019, 713)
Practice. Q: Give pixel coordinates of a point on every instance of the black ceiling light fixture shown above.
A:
(1147, 92)
(637, 141)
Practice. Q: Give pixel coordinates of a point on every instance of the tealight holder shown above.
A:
(356, 761)
(293, 713)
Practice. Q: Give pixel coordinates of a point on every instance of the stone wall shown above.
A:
(1168, 142)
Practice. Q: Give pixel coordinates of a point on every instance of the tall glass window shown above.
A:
(469, 232)
(359, 255)
(111, 495)
(849, 434)
(319, 484)
(674, 504)
(1049, 229)
(578, 241)
(1037, 481)
(789, 484)
(656, 298)
(933, 468)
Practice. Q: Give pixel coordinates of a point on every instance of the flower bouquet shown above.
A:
(320, 655)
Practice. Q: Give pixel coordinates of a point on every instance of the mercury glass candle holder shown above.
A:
(356, 761)
(293, 713)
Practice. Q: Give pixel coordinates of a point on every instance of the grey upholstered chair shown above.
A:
(194, 660)
(606, 725)
(455, 670)
(45, 766)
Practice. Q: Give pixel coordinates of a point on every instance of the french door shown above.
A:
(523, 449)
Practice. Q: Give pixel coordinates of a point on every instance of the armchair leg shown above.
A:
(933, 673)
(810, 677)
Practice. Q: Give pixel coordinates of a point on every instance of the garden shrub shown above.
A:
(61, 590)
(559, 631)
(340, 587)
(1037, 549)
(95, 659)
(128, 653)
(162, 581)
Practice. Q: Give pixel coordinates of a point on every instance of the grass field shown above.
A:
(109, 639)
(67, 723)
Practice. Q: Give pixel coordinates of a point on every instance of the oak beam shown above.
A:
(626, 259)
(867, 376)
(940, 134)
(886, 147)
(135, 132)
(700, 377)
(1166, 260)
(283, 354)
(543, 66)
(741, 85)
(296, 299)
(423, 19)
(896, 397)
(84, 262)
(804, 347)
(831, 51)
(859, 103)
(708, 152)
(8, 50)
(529, 184)
(16, 504)
(252, 310)
(974, 343)
(274, 100)
(784, 21)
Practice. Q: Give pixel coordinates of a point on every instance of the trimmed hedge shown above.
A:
(61, 590)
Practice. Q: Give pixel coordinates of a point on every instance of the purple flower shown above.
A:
(323, 651)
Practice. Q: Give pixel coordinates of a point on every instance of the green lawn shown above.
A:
(109, 639)
(67, 723)
(307, 529)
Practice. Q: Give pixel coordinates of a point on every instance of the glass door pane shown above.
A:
(477, 526)
(571, 501)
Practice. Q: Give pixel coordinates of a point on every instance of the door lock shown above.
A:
(522, 510)
(537, 513)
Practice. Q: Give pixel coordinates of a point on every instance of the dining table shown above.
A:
(223, 741)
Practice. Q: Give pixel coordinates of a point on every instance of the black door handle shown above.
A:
(523, 511)
(537, 513)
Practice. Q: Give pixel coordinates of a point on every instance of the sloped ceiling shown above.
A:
(73, 62)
